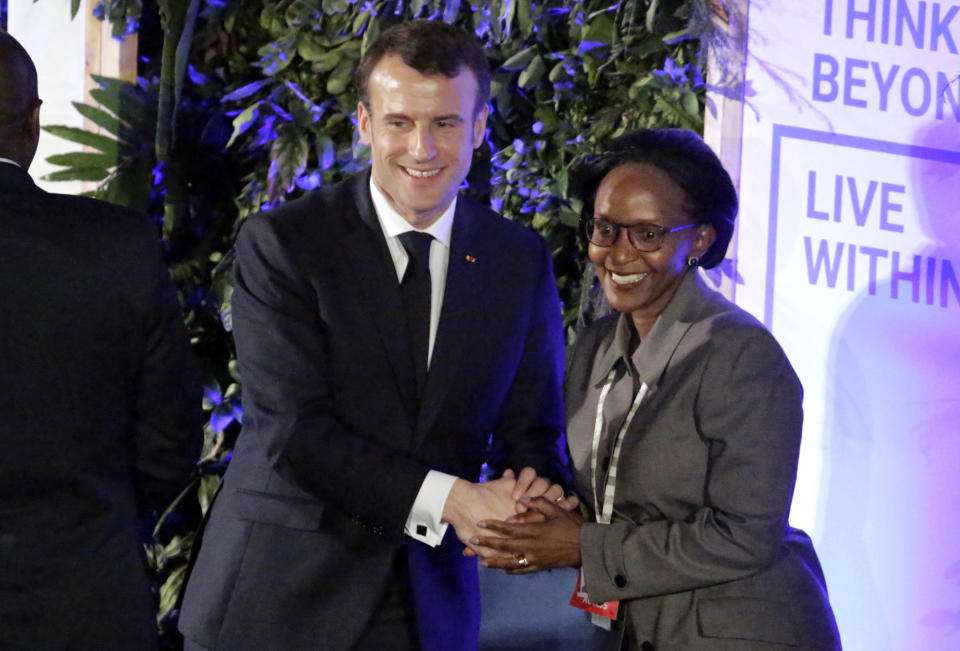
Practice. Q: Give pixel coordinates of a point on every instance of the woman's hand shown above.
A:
(545, 537)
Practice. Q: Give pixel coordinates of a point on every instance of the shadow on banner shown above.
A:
(891, 535)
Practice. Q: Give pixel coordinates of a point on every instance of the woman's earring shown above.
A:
(693, 261)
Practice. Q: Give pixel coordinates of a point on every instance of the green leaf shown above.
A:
(520, 60)
(324, 61)
(360, 21)
(339, 79)
(525, 16)
(540, 221)
(601, 28)
(78, 174)
(99, 117)
(557, 73)
(677, 36)
(651, 15)
(173, 549)
(530, 77)
(691, 104)
(569, 218)
(288, 159)
(95, 140)
(331, 7)
(130, 184)
(170, 590)
(311, 46)
(371, 35)
(277, 55)
(266, 16)
(245, 91)
(74, 8)
(561, 183)
(82, 159)
(135, 107)
(126, 100)
(243, 121)
(108, 93)
(206, 490)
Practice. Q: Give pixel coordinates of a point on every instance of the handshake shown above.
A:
(499, 500)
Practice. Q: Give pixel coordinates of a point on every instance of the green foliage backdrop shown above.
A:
(243, 104)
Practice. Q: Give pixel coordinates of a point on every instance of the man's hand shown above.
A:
(469, 503)
(530, 486)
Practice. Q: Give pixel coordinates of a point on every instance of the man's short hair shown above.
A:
(18, 82)
(430, 48)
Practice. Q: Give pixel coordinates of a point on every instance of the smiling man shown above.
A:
(392, 336)
(422, 131)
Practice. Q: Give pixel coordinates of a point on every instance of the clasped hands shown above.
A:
(519, 524)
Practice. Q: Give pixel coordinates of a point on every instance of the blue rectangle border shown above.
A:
(782, 132)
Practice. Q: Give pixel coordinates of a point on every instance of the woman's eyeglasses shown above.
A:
(643, 237)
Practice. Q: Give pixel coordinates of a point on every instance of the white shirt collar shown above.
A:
(393, 224)
(7, 160)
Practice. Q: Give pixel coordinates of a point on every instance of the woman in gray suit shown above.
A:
(684, 419)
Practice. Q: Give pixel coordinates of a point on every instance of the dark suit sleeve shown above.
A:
(748, 409)
(168, 415)
(530, 430)
(289, 396)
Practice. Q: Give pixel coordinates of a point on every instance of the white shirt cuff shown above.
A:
(423, 523)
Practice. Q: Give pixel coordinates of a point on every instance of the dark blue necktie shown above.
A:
(415, 291)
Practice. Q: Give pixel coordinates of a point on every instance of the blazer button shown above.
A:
(620, 581)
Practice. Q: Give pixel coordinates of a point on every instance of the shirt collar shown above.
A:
(653, 352)
(393, 224)
(7, 160)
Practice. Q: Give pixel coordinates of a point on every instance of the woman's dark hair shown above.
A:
(431, 48)
(689, 163)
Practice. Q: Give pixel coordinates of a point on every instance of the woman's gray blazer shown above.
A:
(699, 551)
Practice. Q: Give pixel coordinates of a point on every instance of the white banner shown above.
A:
(849, 251)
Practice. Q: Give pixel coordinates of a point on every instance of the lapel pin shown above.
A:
(471, 259)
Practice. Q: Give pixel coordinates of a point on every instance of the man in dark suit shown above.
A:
(99, 400)
(376, 376)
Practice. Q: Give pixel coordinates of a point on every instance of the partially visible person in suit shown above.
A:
(391, 334)
(683, 421)
(100, 417)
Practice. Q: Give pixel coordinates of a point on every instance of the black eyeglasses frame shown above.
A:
(632, 232)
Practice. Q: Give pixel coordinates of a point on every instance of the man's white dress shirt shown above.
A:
(423, 523)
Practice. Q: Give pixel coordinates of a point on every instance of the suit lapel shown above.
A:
(457, 318)
(657, 349)
(379, 292)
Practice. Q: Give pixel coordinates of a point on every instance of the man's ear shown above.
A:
(30, 135)
(480, 126)
(363, 124)
(32, 124)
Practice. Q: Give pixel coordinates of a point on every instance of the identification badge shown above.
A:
(599, 611)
